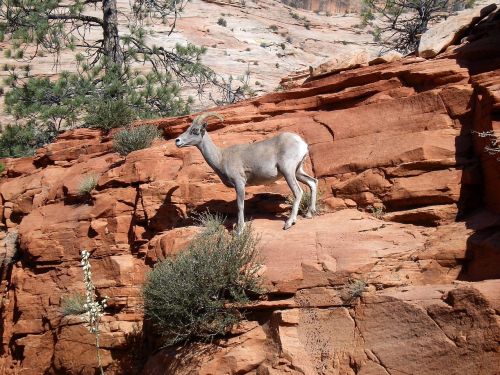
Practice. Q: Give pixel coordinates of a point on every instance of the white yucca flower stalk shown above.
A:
(94, 309)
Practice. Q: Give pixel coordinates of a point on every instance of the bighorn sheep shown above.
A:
(256, 163)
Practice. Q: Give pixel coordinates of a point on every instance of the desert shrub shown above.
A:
(306, 200)
(88, 184)
(2, 168)
(222, 22)
(135, 138)
(353, 290)
(378, 211)
(73, 304)
(12, 250)
(193, 296)
(23, 140)
(109, 114)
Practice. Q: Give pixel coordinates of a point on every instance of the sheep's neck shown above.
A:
(211, 153)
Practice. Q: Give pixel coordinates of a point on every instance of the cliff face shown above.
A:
(394, 135)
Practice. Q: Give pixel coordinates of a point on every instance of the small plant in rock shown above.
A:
(93, 308)
(353, 290)
(73, 304)
(11, 248)
(2, 168)
(135, 138)
(222, 22)
(494, 141)
(88, 184)
(377, 211)
(273, 28)
(194, 296)
(306, 200)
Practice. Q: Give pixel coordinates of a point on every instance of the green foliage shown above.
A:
(222, 22)
(73, 304)
(366, 13)
(306, 201)
(135, 138)
(105, 97)
(2, 168)
(109, 114)
(194, 295)
(105, 79)
(23, 140)
(377, 211)
(353, 290)
(88, 184)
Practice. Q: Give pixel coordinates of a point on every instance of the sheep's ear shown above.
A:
(203, 128)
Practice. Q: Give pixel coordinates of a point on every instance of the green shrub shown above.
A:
(222, 22)
(353, 290)
(378, 211)
(2, 168)
(88, 184)
(73, 304)
(193, 296)
(109, 114)
(306, 200)
(135, 138)
(23, 140)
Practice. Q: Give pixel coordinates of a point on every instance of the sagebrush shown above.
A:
(88, 184)
(353, 290)
(135, 138)
(73, 304)
(305, 201)
(193, 295)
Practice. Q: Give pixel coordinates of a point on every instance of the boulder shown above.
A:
(443, 34)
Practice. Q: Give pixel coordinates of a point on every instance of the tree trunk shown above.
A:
(112, 48)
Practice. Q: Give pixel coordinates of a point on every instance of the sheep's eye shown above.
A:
(195, 131)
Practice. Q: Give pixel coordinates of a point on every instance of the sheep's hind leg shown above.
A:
(297, 193)
(313, 185)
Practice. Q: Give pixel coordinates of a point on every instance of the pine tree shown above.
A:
(107, 76)
(398, 24)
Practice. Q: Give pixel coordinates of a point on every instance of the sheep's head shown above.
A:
(194, 134)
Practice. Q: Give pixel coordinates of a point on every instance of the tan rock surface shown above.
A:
(440, 36)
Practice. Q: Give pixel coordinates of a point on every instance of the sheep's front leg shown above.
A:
(297, 193)
(240, 197)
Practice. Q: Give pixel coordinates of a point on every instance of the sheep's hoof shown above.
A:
(309, 215)
(288, 225)
(237, 229)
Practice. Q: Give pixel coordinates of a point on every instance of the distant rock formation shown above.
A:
(332, 6)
